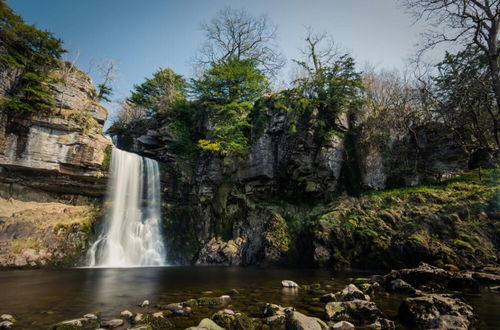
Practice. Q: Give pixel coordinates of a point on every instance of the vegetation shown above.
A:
(34, 53)
(428, 221)
(227, 92)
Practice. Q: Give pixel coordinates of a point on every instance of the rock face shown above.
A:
(52, 173)
(64, 150)
(437, 311)
(264, 207)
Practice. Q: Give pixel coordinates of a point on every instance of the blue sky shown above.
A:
(143, 35)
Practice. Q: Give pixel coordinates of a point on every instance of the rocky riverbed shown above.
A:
(424, 297)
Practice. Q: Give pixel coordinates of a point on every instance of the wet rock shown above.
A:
(373, 288)
(142, 327)
(177, 309)
(138, 318)
(383, 324)
(398, 285)
(156, 321)
(350, 292)
(214, 301)
(207, 324)
(289, 284)
(80, 324)
(343, 325)
(234, 292)
(274, 315)
(485, 278)
(218, 251)
(357, 311)
(114, 323)
(495, 289)
(127, 314)
(437, 311)
(299, 321)
(7, 317)
(190, 303)
(144, 303)
(6, 325)
(428, 276)
(91, 316)
(228, 319)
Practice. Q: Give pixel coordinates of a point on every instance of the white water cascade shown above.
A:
(131, 233)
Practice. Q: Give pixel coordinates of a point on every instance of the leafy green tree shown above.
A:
(227, 91)
(329, 82)
(159, 93)
(35, 53)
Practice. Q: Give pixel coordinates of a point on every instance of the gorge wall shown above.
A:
(52, 172)
(297, 198)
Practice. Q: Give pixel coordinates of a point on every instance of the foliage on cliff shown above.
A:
(227, 92)
(35, 54)
(455, 222)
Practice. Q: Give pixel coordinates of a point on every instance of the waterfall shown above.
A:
(131, 233)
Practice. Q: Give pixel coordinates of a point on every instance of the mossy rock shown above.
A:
(76, 324)
(233, 321)
(213, 301)
(155, 322)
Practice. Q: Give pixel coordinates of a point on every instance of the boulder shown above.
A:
(486, 278)
(426, 275)
(350, 292)
(177, 309)
(207, 324)
(359, 312)
(441, 311)
(7, 317)
(144, 303)
(6, 325)
(80, 324)
(400, 286)
(383, 324)
(299, 321)
(343, 325)
(155, 321)
(214, 301)
(274, 315)
(114, 323)
(289, 284)
(228, 319)
(127, 314)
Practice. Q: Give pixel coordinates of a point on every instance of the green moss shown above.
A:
(106, 162)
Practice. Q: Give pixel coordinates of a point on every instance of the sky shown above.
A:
(143, 35)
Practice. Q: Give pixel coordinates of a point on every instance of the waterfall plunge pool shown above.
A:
(38, 298)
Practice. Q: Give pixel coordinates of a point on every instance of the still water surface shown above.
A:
(39, 298)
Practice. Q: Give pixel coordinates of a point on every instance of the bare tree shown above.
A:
(108, 72)
(235, 33)
(128, 114)
(463, 21)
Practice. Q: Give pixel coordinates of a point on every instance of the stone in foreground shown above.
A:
(440, 311)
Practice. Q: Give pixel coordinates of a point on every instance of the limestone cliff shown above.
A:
(52, 172)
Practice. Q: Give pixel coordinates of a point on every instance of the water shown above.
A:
(39, 298)
(131, 236)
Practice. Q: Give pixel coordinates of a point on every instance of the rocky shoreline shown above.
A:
(430, 298)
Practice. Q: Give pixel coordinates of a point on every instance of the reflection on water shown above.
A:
(41, 297)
